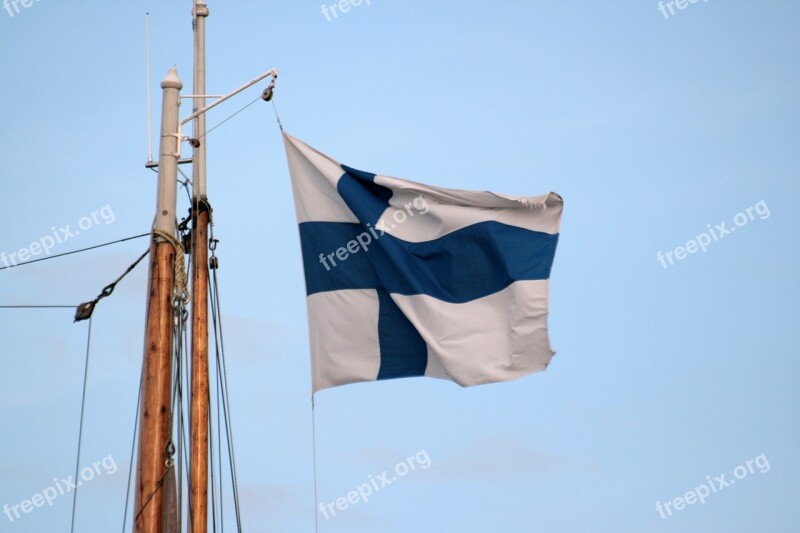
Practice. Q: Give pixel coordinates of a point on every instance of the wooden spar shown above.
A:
(154, 422)
(198, 482)
(154, 427)
(198, 433)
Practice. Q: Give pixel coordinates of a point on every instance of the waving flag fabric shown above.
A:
(405, 279)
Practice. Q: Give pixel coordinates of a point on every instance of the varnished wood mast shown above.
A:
(198, 469)
(154, 426)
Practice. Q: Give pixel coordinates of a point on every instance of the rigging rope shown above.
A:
(74, 251)
(37, 306)
(86, 309)
(185, 184)
(215, 489)
(133, 449)
(184, 454)
(80, 426)
(179, 339)
(170, 466)
(211, 466)
(314, 447)
(276, 114)
(230, 117)
(222, 374)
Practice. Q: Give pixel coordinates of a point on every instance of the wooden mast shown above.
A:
(154, 460)
(198, 482)
(154, 428)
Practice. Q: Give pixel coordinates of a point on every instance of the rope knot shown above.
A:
(181, 289)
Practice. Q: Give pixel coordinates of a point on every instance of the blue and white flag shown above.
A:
(404, 279)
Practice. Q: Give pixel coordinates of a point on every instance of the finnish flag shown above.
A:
(405, 279)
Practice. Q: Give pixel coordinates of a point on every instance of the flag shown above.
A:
(405, 279)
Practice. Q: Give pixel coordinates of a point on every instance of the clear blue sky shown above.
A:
(650, 127)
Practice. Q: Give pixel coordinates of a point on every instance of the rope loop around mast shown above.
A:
(181, 291)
